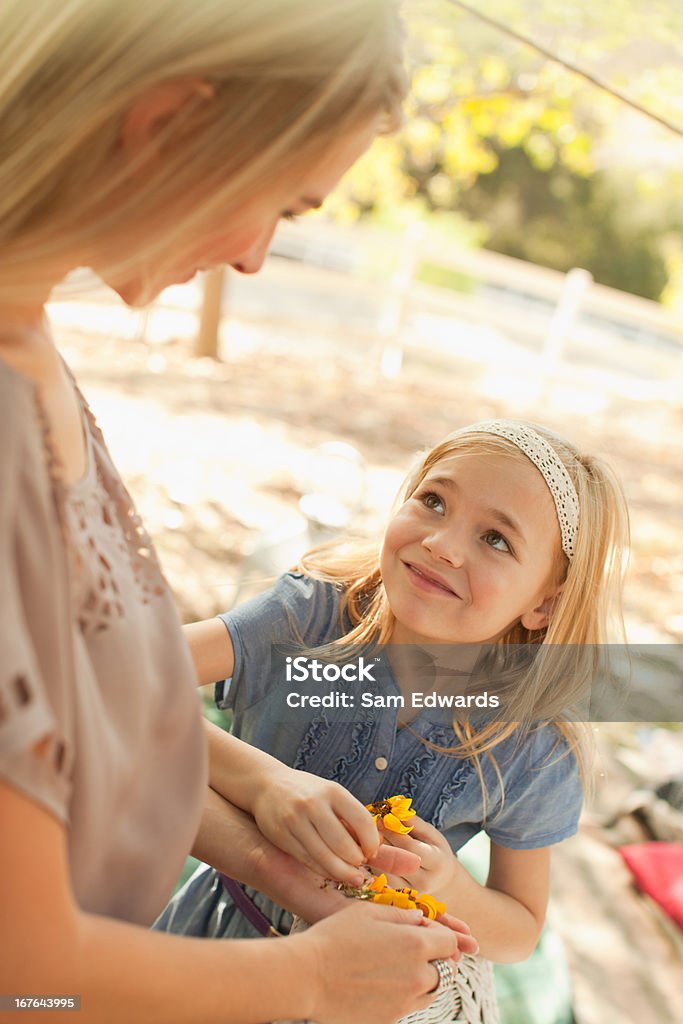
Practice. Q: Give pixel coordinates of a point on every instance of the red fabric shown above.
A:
(658, 871)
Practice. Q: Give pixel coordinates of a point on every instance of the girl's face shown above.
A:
(243, 242)
(472, 552)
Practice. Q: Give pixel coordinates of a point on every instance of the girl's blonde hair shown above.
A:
(287, 78)
(539, 683)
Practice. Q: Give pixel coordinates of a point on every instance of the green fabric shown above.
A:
(538, 990)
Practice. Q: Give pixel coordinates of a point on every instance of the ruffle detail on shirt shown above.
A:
(361, 737)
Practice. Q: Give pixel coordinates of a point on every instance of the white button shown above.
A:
(381, 764)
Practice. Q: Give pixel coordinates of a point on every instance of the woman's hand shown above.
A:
(373, 963)
(438, 865)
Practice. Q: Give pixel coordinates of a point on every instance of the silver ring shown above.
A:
(446, 976)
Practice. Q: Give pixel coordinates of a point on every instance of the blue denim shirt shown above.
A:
(539, 802)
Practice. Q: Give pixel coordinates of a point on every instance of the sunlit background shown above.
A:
(516, 250)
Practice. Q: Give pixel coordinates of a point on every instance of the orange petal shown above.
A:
(400, 804)
(429, 906)
(394, 824)
(393, 898)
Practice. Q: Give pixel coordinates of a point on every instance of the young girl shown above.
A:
(506, 535)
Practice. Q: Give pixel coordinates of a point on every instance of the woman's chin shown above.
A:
(136, 293)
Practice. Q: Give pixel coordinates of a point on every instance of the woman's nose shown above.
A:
(251, 261)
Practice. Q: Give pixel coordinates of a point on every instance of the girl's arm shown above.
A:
(358, 963)
(507, 914)
(314, 820)
(230, 841)
(211, 649)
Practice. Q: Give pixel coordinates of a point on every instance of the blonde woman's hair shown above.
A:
(551, 674)
(288, 77)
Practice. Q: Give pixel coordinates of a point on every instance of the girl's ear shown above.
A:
(539, 617)
(155, 107)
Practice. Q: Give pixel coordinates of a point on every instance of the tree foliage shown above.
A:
(485, 110)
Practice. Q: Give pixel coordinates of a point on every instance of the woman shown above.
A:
(147, 141)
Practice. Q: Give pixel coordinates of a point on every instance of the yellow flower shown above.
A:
(430, 907)
(395, 898)
(377, 890)
(394, 812)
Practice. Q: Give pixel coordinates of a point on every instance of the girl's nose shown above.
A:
(445, 546)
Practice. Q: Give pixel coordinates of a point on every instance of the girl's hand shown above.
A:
(323, 826)
(438, 865)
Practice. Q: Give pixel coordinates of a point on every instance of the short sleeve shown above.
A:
(296, 610)
(543, 797)
(27, 715)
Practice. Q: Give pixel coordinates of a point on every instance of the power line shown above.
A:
(574, 68)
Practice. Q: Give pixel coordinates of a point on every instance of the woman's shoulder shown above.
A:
(17, 406)
(24, 463)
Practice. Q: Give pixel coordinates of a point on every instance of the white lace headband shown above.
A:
(549, 465)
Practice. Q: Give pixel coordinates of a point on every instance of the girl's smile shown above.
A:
(474, 550)
(427, 579)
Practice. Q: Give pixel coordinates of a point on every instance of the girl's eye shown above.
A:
(289, 215)
(432, 501)
(497, 541)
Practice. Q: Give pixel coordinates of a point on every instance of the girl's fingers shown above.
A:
(422, 830)
(358, 821)
(337, 838)
(391, 860)
(466, 941)
(456, 924)
(408, 843)
(317, 852)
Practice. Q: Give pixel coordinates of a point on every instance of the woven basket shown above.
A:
(466, 995)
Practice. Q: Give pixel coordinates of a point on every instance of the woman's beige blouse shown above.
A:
(93, 657)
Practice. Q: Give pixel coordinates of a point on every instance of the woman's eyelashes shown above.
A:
(289, 215)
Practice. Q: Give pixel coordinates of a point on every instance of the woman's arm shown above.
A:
(506, 914)
(358, 964)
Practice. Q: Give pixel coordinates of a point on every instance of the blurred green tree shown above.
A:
(519, 143)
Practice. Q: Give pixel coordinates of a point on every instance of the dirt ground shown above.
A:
(218, 454)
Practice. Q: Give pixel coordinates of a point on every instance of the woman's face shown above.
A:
(243, 244)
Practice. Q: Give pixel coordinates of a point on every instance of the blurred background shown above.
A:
(516, 250)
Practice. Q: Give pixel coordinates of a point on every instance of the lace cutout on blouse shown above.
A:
(16, 697)
(100, 526)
